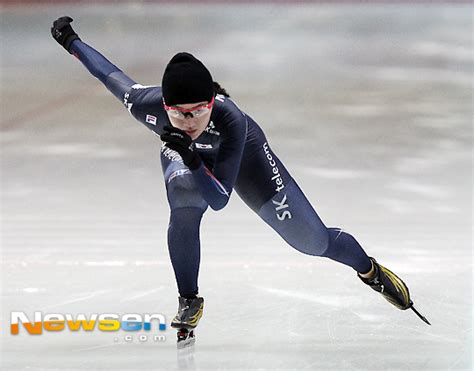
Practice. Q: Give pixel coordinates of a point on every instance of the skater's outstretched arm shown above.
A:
(135, 97)
(113, 78)
(110, 75)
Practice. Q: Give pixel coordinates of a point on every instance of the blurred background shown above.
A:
(368, 104)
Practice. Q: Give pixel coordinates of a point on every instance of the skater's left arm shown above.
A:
(215, 184)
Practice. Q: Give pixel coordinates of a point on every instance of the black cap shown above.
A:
(186, 80)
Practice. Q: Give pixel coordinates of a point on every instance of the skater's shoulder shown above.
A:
(226, 110)
(145, 94)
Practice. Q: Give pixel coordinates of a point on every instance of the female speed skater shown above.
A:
(211, 147)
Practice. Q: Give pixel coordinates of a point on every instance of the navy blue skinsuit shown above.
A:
(236, 155)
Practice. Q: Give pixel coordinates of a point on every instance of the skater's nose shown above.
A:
(189, 125)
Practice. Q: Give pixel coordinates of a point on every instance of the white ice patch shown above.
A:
(106, 263)
(142, 294)
(446, 209)
(426, 190)
(17, 191)
(139, 263)
(77, 149)
(359, 109)
(448, 51)
(67, 263)
(326, 300)
(415, 164)
(85, 296)
(396, 206)
(31, 290)
(421, 74)
(331, 173)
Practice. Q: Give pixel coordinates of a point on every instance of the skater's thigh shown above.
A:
(181, 188)
(266, 187)
(261, 174)
(292, 216)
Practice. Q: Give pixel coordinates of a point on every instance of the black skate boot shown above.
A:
(187, 318)
(393, 289)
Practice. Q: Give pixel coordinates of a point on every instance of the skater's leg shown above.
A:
(345, 249)
(291, 215)
(186, 210)
(184, 248)
(267, 188)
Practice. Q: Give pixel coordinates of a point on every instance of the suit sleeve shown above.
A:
(216, 185)
(112, 77)
(134, 96)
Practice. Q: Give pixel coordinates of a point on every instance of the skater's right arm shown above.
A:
(112, 77)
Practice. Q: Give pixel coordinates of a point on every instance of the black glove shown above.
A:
(179, 141)
(63, 33)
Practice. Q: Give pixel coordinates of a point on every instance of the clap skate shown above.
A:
(393, 289)
(186, 320)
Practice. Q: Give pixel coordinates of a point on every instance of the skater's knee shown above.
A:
(183, 228)
(186, 216)
(337, 236)
(322, 243)
(314, 243)
(183, 193)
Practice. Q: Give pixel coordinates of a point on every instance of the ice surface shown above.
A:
(369, 107)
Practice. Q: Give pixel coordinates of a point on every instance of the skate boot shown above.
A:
(393, 289)
(186, 320)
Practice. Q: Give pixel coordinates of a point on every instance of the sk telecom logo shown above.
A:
(103, 322)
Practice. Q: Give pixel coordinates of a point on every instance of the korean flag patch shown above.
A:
(151, 119)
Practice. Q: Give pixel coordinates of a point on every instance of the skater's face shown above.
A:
(190, 117)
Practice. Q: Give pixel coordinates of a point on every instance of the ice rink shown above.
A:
(369, 107)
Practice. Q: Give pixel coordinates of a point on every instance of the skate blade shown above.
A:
(186, 338)
(420, 316)
(186, 344)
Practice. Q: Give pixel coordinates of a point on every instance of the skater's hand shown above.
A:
(177, 140)
(63, 33)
